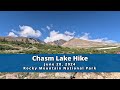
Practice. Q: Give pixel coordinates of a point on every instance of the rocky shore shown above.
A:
(59, 75)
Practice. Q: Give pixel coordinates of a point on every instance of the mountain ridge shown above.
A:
(72, 43)
(21, 39)
(57, 42)
(79, 43)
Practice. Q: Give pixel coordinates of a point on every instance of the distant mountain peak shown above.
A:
(57, 42)
(80, 43)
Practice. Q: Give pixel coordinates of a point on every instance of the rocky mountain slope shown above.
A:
(79, 43)
(21, 39)
(73, 43)
(57, 42)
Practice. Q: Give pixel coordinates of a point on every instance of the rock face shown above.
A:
(42, 75)
(21, 39)
(79, 43)
(59, 75)
(11, 76)
(97, 76)
(57, 42)
(63, 75)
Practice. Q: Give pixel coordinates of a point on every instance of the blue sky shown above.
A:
(99, 24)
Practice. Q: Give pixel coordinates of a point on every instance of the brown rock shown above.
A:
(42, 75)
(11, 76)
(63, 75)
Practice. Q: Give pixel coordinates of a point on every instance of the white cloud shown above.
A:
(106, 40)
(99, 40)
(14, 31)
(86, 36)
(110, 41)
(55, 35)
(26, 31)
(70, 33)
(11, 34)
(48, 27)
